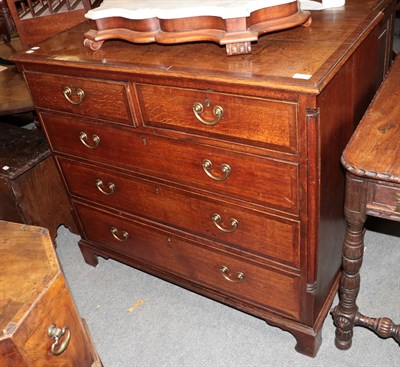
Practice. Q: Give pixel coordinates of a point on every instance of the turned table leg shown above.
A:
(344, 314)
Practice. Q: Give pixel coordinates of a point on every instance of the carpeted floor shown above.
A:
(137, 320)
(396, 38)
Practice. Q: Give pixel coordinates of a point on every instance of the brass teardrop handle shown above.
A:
(216, 218)
(225, 169)
(121, 237)
(397, 196)
(100, 186)
(227, 275)
(55, 333)
(85, 141)
(68, 91)
(198, 109)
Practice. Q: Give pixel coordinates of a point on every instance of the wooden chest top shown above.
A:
(301, 59)
(25, 271)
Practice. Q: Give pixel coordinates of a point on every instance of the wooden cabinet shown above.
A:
(31, 188)
(40, 325)
(220, 174)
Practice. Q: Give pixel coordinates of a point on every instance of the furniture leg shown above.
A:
(308, 344)
(345, 313)
(89, 256)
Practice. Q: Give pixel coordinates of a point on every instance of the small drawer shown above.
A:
(256, 121)
(226, 273)
(89, 97)
(261, 180)
(384, 197)
(263, 235)
(55, 307)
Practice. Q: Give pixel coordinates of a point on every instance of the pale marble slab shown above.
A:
(316, 5)
(173, 9)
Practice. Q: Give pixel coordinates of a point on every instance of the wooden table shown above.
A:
(372, 161)
(14, 94)
(39, 323)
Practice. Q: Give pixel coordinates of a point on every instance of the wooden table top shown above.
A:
(28, 264)
(280, 60)
(14, 94)
(374, 149)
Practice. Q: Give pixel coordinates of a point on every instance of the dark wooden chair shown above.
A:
(37, 20)
(6, 23)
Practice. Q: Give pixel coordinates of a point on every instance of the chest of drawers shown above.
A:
(219, 174)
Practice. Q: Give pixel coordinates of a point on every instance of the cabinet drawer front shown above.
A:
(272, 289)
(55, 307)
(257, 121)
(264, 235)
(261, 180)
(88, 97)
(384, 197)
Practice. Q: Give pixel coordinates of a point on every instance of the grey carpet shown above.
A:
(174, 327)
(396, 38)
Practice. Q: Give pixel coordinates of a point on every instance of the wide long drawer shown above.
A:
(264, 122)
(88, 97)
(248, 230)
(224, 272)
(261, 180)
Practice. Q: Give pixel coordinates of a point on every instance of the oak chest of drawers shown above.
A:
(220, 174)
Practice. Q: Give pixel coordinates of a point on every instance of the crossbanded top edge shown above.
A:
(174, 9)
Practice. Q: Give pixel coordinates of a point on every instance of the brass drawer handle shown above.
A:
(84, 140)
(226, 274)
(216, 218)
(225, 168)
(100, 186)
(68, 93)
(397, 197)
(198, 109)
(55, 333)
(120, 237)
